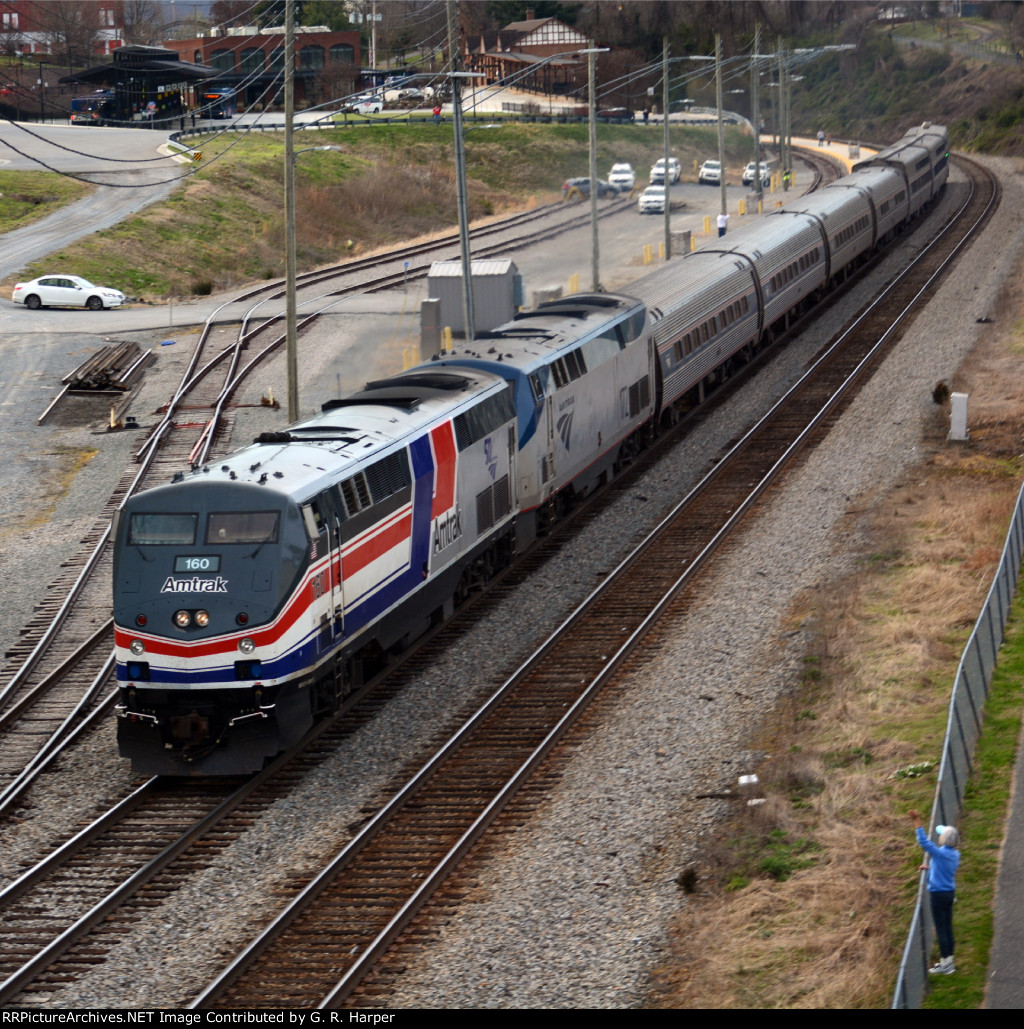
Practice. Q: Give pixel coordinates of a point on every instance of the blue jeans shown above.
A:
(942, 916)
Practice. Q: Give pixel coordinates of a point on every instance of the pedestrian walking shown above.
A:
(821, 137)
(945, 859)
(647, 115)
(723, 221)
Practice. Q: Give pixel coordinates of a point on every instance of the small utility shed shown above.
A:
(497, 293)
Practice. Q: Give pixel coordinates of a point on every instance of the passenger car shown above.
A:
(65, 291)
(711, 173)
(583, 185)
(622, 177)
(652, 200)
(365, 105)
(750, 174)
(658, 170)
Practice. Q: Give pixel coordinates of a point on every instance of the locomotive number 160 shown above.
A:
(197, 564)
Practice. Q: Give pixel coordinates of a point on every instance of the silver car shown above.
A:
(65, 291)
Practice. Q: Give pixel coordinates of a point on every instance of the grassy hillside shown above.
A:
(225, 225)
(876, 91)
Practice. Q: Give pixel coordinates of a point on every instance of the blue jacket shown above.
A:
(943, 866)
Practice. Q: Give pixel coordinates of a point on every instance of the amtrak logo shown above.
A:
(489, 459)
(194, 585)
(564, 426)
(447, 530)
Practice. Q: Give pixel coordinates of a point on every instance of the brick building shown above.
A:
(29, 27)
(250, 61)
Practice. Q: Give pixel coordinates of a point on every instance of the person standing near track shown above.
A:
(945, 859)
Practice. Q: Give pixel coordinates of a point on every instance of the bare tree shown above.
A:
(229, 13)
(71, 30)
(143, 22)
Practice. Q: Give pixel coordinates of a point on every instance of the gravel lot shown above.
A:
(573, 912)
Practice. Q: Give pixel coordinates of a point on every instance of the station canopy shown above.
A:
(152, 62)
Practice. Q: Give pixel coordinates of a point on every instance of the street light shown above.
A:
(592, 53)
(460, 175)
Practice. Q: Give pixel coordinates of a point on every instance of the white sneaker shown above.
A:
(944, 967)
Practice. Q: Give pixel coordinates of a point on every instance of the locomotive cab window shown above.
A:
(162, 529)
(242, 527)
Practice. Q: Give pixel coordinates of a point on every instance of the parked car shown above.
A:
(711, 173)
(65, 291)
(750, 174)
(652, 200)
(658, 170)
(622, 177)
(365, 105)
(583, 186)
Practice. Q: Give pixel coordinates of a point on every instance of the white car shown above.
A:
(652, 200)
(711, 173)
(622, 177)
(65, 291)
(365, 105)
(750, 174)
(658, 170)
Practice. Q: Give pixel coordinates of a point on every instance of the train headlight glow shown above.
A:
(182, 619)
(246, 646)
(202, 619)
(137, 647)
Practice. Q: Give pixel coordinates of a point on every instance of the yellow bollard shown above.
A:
(661, 250)
(742, 208)
(707, 225)
(574, 283)
(693, 244)
(446, 339)
(648, 253)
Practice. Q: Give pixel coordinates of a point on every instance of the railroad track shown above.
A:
(59, 658)
(451, 814)
(354, 908)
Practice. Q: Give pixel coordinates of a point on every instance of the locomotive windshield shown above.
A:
(154, 530)
(242, 527)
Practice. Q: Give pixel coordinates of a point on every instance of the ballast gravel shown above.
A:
(571, 909)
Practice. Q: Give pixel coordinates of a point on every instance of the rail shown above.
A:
(966, 713)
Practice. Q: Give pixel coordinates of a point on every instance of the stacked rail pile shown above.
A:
(112, 369)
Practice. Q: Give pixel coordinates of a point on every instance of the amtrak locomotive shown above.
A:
(252, 594)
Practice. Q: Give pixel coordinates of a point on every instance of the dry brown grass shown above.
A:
(873, 703)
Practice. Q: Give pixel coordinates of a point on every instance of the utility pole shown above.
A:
(755, 110)
(721, 129)
(291, 328)
(664, 109)
(592, 118)
(460, 174)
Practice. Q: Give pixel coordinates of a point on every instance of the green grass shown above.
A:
(387, 184)
(982, 828)
(27, 197)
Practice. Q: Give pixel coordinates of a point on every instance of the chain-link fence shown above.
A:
(966, 711)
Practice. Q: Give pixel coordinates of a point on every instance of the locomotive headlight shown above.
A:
(182, 619)
(137, 647)
(202, 619)
(246, 646)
